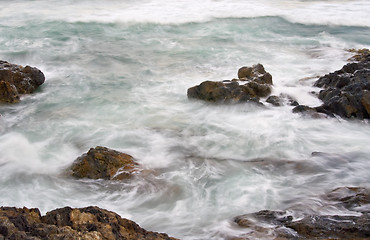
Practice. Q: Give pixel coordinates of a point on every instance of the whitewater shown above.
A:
(117, 73)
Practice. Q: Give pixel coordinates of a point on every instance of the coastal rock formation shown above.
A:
(258, 84)
(90, 223)
(283, 224)
(16, 80)
(105, 163)
(346, 92)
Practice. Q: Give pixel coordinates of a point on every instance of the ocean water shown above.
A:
(117, 73)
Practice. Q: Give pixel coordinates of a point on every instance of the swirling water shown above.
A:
(116, 76)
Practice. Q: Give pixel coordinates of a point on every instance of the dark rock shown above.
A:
(264, 216)
(258, 85)
(105, 163)
(71, 223)
(15, 79)
(346, 91)
(281, 100)
(324, 227)
(352, 198)
(268, 224)
(274, 100)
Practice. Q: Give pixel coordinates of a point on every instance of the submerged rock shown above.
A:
(105, 163)
(258, 84)
(268, 224)
(70, 223)
(346, 91)
(16, 80)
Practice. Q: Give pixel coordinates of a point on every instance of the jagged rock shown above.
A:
(15, 80)
(105, 163)
(346, 91)
(268, 224)
(256, 73)
(258, 85)
(71, 223)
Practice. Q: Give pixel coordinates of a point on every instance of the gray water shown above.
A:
(117, 73)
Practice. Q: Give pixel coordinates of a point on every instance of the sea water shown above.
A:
(117, 73)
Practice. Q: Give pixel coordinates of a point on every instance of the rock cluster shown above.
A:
(104, 163)
(252, 84)
(16, 80)
(346, 92)
(282, 225)
(90, 223)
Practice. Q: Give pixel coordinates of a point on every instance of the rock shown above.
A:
(258, 85)
(274, 100)
(268, 224)
(351, 198)
(71, 223)
(105, 163)
(361, 54)
(256, 73)
(324, 227)
(15, 80)
(8, 93)
(346, 91)
(281, 100)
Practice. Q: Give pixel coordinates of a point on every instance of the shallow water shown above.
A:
(117, 74)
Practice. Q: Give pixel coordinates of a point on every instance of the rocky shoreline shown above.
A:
(90, 223)
(345, 93)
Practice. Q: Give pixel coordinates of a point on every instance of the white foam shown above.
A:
(307, 12)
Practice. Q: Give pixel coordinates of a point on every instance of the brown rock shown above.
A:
(67, 223)
(15, 79)
(8, 92)
(258, 85)
(105, 163)
(366, 101)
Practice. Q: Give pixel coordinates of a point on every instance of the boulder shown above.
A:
(345, 92)
(104, 163)
(70, 223)
(258, 84)
(16, 79)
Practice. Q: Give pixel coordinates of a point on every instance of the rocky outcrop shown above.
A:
(69, 224)
(283, 224)
(346, 92)
(16, 80)
(252, 84)
(104, 163)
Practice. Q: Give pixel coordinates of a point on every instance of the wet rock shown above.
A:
(268, 224)
(256, 73)
(346, 91)
(258, 84)
(70, 223)
(16, 79)
(324, 227)
(274, 100)
(352, 198)
(105, 163)
(281, 100)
